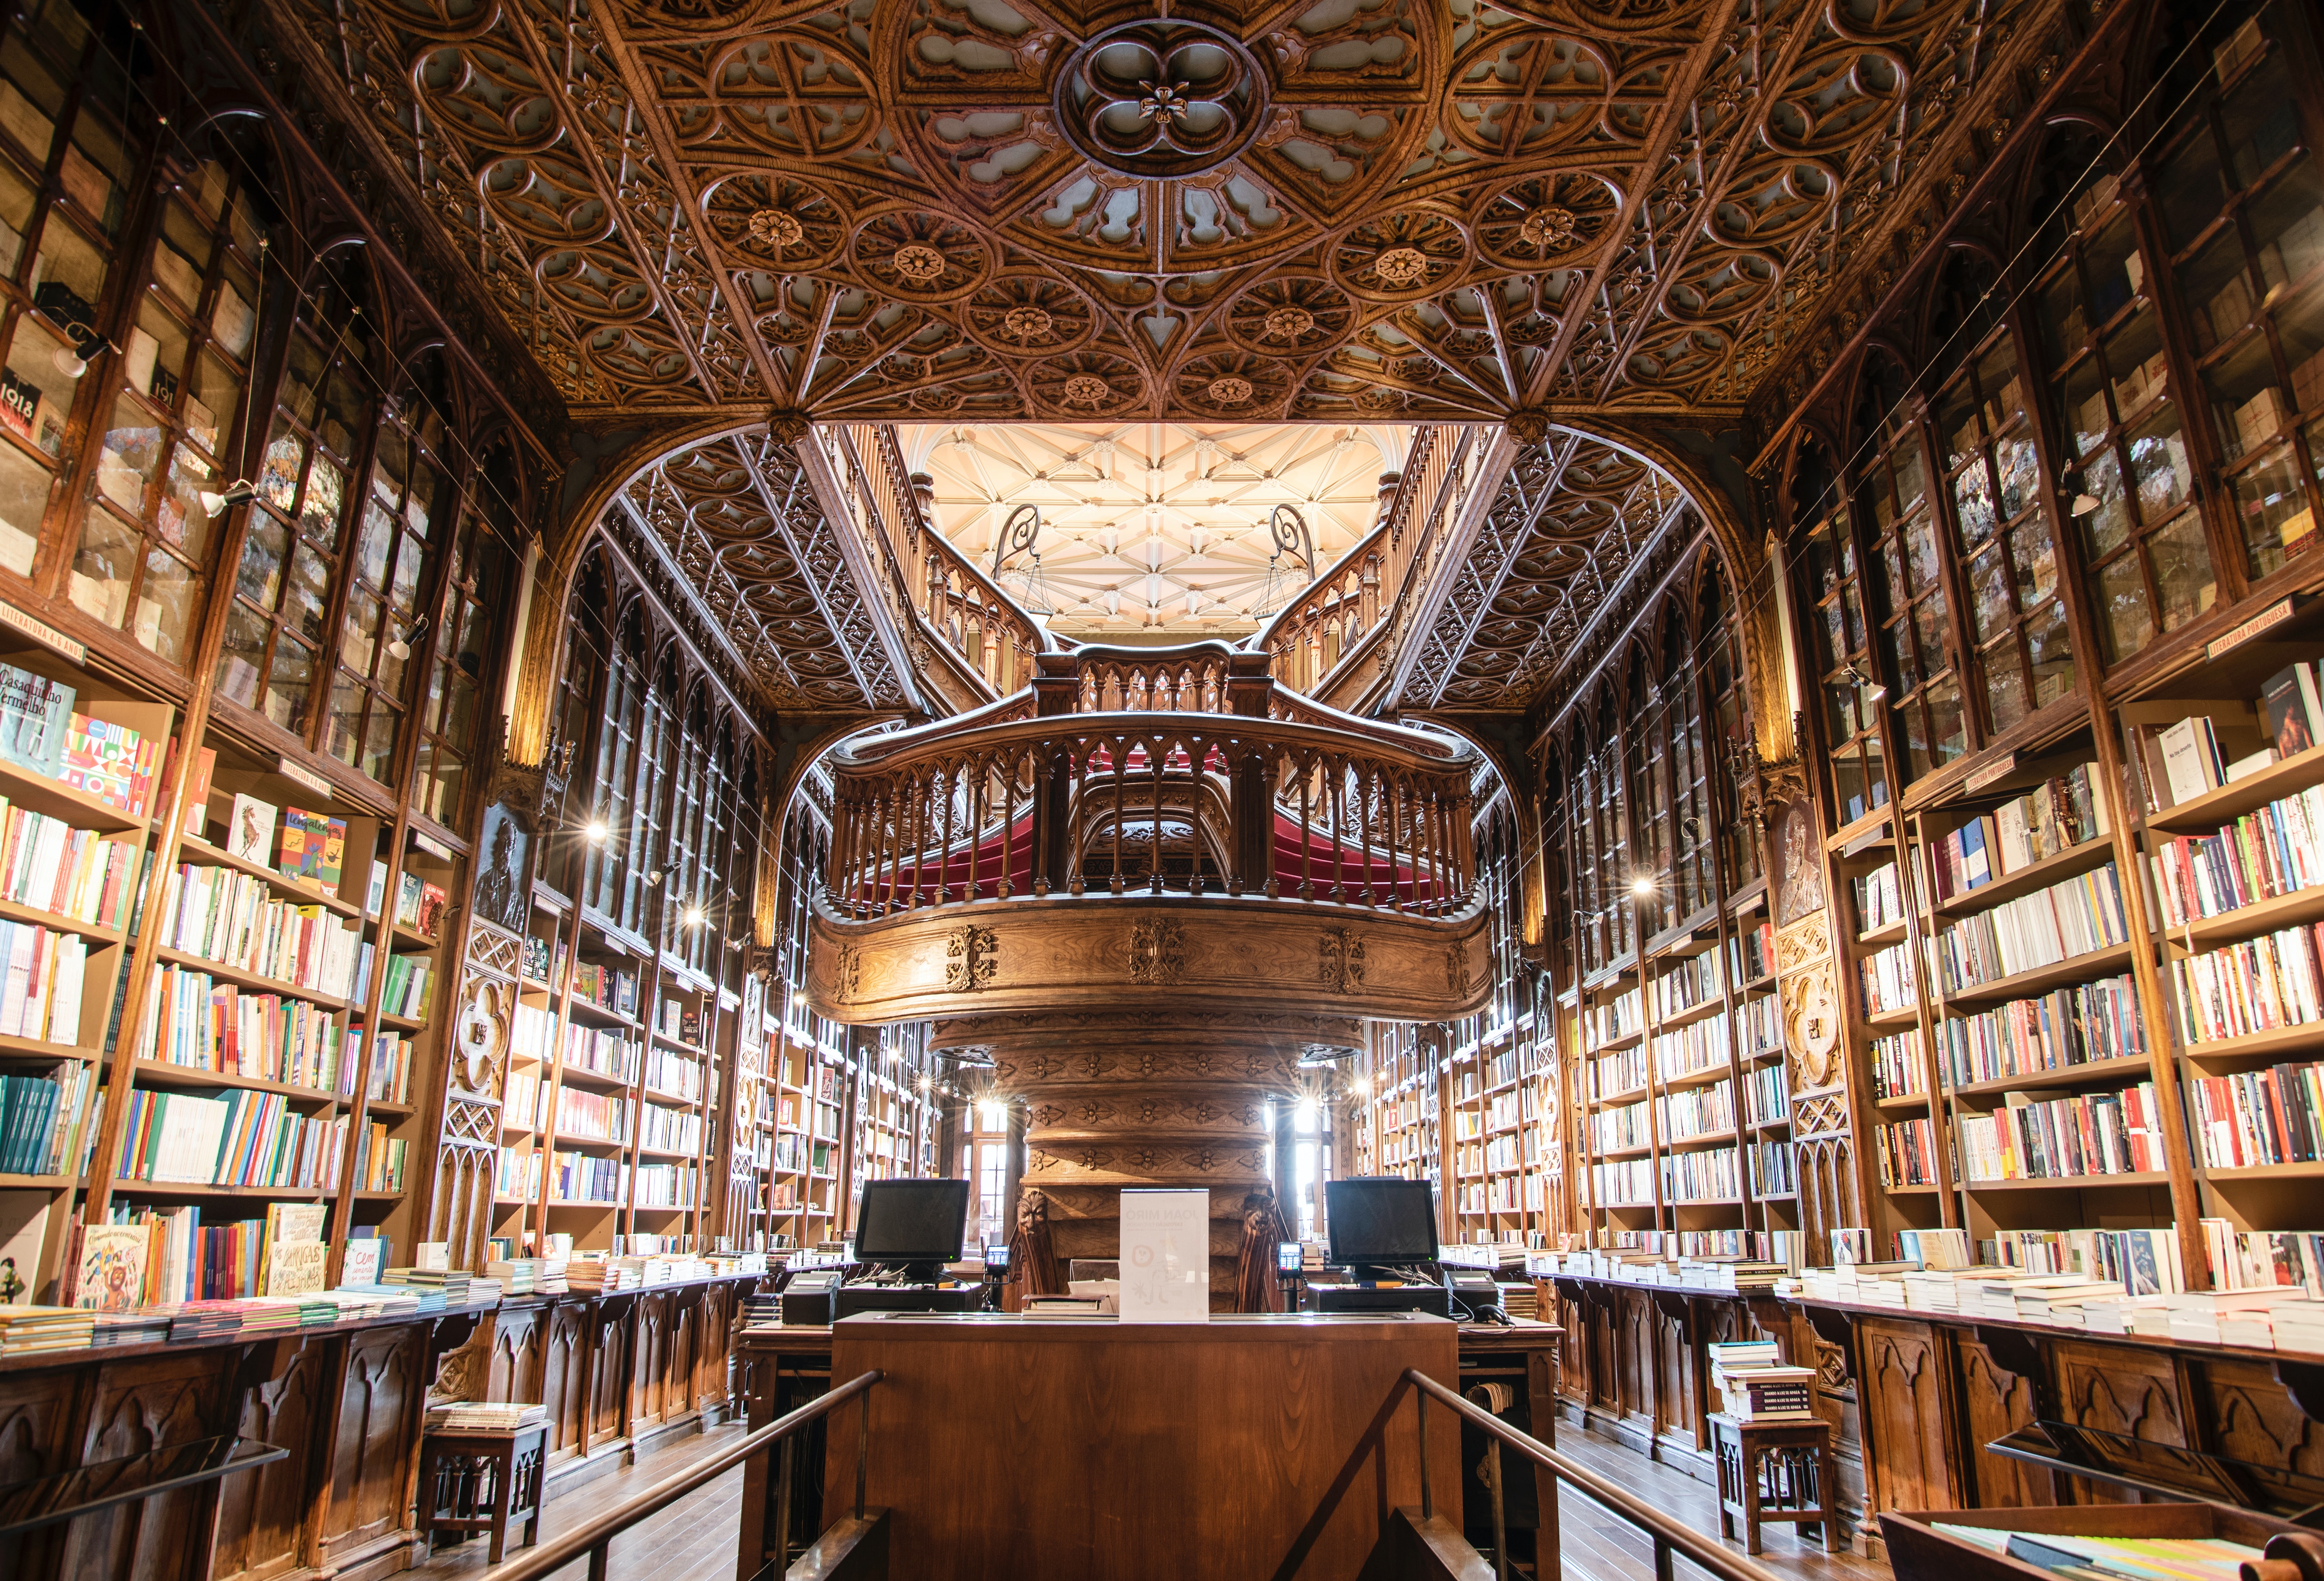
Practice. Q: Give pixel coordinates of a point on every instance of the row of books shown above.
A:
(1773, 1172)
(1908, 1152)
(2065, 1138)
(524, 1101)
(2244, 1260)
(1690, 981)
(1897, 1068)
(668, 1186)
(1697, 1112)
(613, 988)
(2052, 819)
(609, 1054)
(578, 1177)
(237, 1139)
(1887, 977)
(2066, 1027)
(1697, 1046)
(1622, 1016)
(47, 863)
(518, 1175)
(2069, 919)
(1767, 1095)
(599, 1116)
(2145, 1262)
(405, 992)
(1751, 954)
(1711, 1175)
(1623, 1183)
(669, 1071)
(1624, 1071)
(37, 1116)
(2273, 980)
(1625, 1126)
(667, 1130)
(200, 1024)
(41, 733)
(2258, 1117)
(41, 992)
(1879, 898)
(2274, 850)
(231, 918)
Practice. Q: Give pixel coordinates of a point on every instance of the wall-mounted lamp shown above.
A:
(399, 649)
(239, 490)
(595, 831)
(1873, 690)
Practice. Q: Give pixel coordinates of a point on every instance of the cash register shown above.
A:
(906, 1231)
(1383, 1233)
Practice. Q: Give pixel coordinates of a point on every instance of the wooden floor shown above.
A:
(1602, 1547)
(692, 1540)
(695, 1538)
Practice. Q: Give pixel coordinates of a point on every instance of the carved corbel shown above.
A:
(2304, 1381)
(1675, 1306)
(1836, 1330)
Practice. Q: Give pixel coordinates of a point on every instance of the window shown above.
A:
(318, 442)
(1730, 713)
(610, 859)
(2242, 212)
(394, 552)
(1602, 854)
(1690, 784)
(1648, 762)
(2149, 564)
(481, 575)
(1842, 654)
(1907, 581)
(145, 535)
(1993, 484)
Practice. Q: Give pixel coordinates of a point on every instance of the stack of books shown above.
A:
(450, 1284)
(2229, 1317)
(395, 1300)
(139, 1325)
(24, 1330)
(1521, 1300)
(2149, 1315)
(489, 1415)
(768, 1308)
(518, 1276)
(198, 1320)
(2058, 1302)
(2298, 1325)
(1756, 1387)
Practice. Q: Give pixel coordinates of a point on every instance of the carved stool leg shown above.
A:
(1751, 1474)
(1827, 1494)
(504, 1465)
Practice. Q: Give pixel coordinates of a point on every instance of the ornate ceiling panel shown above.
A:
(1575, 522)
(1331, 210)
(1154, 528)
(738, 521)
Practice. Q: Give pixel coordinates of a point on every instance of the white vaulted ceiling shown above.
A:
(1154, 531)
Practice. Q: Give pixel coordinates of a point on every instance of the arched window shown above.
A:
(1730, 713)
(477, 589)
(610, 859)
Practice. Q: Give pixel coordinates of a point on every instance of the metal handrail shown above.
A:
(591, 1537)
(1666, 1533)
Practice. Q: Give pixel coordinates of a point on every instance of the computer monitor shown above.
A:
(1382, 1221)
(921, 1222)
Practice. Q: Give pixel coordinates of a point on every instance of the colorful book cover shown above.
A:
(313, 846)
(432, 902)
(34, 714)
(407, 900)
(334, 855)
(362, 1264)
(250, 828)
(297, 1268)
(112, 1267)
(2286, 712)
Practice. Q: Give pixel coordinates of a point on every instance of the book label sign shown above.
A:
(432, 845)
(1993, 773)
(301, 775)
(1166, 1257)
(46, 635)
(2274, 614)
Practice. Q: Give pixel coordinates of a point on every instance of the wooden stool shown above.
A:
(1775, 1471)
(482, 1479)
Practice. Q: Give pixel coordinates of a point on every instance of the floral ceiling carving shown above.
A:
(1335, 210)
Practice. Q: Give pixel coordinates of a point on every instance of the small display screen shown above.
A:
(1378, 1219)
(997, 1255)
(912, 1221)
(1286, 1257)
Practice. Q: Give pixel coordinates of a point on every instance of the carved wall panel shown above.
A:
(611, 1326)
(1901, 1388)
(1995, 1401)
(2113, 1390)
(564, 1376)
(2252, 1419)
(381, 1389)
(261, 1516)
(172, 1400)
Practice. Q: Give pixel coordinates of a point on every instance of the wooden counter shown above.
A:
(349, 1401)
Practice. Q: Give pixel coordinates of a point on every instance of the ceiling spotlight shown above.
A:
(596, 831)
(799, 997)
(214, 504)
(2084, 504)
(653, 877)
(69, 363)
(695, 916)
(1642, 885)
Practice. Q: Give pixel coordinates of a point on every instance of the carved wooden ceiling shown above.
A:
(1328, 210)
(1153, 530)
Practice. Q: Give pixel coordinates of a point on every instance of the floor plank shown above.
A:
(1600, 1546)
(694, 1538)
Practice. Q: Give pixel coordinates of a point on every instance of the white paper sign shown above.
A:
(1166, 1257)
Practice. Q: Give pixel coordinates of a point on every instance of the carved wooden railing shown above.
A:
(1201, 791)
(1333, 639)
(987, 639)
